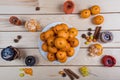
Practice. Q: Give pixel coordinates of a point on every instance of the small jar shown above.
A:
(30, 61)
(105, 37)
(10, 53)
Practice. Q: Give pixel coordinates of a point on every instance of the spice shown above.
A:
(83, 36)
(21, 74)
(37, 8)
(89, 29)
(61, 72)
(16, 40)
(74, 74)
(87, 43)
(89, 33)
(97, 32)
(84, 71)
(63, 75)
(70, 75)
(19, 37)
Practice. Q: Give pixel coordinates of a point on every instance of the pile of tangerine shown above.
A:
(59, 42)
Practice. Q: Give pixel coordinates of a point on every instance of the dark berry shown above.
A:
(83, 36)
(19, 36)
(37, 8)
(89, 29)
(63, 75)
(89, 33)
(16, 40)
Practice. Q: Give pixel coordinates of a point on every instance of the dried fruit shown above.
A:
(87, 43)
(83, 36)
(84, 71)
(21, 74)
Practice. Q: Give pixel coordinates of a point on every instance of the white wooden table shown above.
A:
(51, 11)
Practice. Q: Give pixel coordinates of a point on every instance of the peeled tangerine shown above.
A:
(98, 20)
(32, 25)
(60, 42)
(95, 9)
(85, 13)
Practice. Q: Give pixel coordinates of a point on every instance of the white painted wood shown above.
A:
(82, 58)
(54, 6)
(30, 39)
(51, 73)
(111, 21)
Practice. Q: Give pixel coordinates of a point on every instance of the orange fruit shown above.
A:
(52, 49)
(70, 52)
(51, 56)
(61, 54)
(63, 60)
(57, 28)
(95, 9)
(85, 13)
(63, 33)
(42, 36)
(48, 34)
(67, 46)
(45, 47)
(98, 20)
(60, 42)
(64, 26)
(74, 42)
(50, 41)
(73, 32)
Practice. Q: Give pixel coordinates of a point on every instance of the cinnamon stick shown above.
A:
(97, 32)
(70, 75)
(74, 74)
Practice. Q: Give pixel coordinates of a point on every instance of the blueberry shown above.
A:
(30, 60)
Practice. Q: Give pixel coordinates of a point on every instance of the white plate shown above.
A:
(44, 54)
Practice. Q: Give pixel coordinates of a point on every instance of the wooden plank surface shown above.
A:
(111, 21)
(51, 11)
(7, 38)
(54, 6)
(98, 73)
(82, 58)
